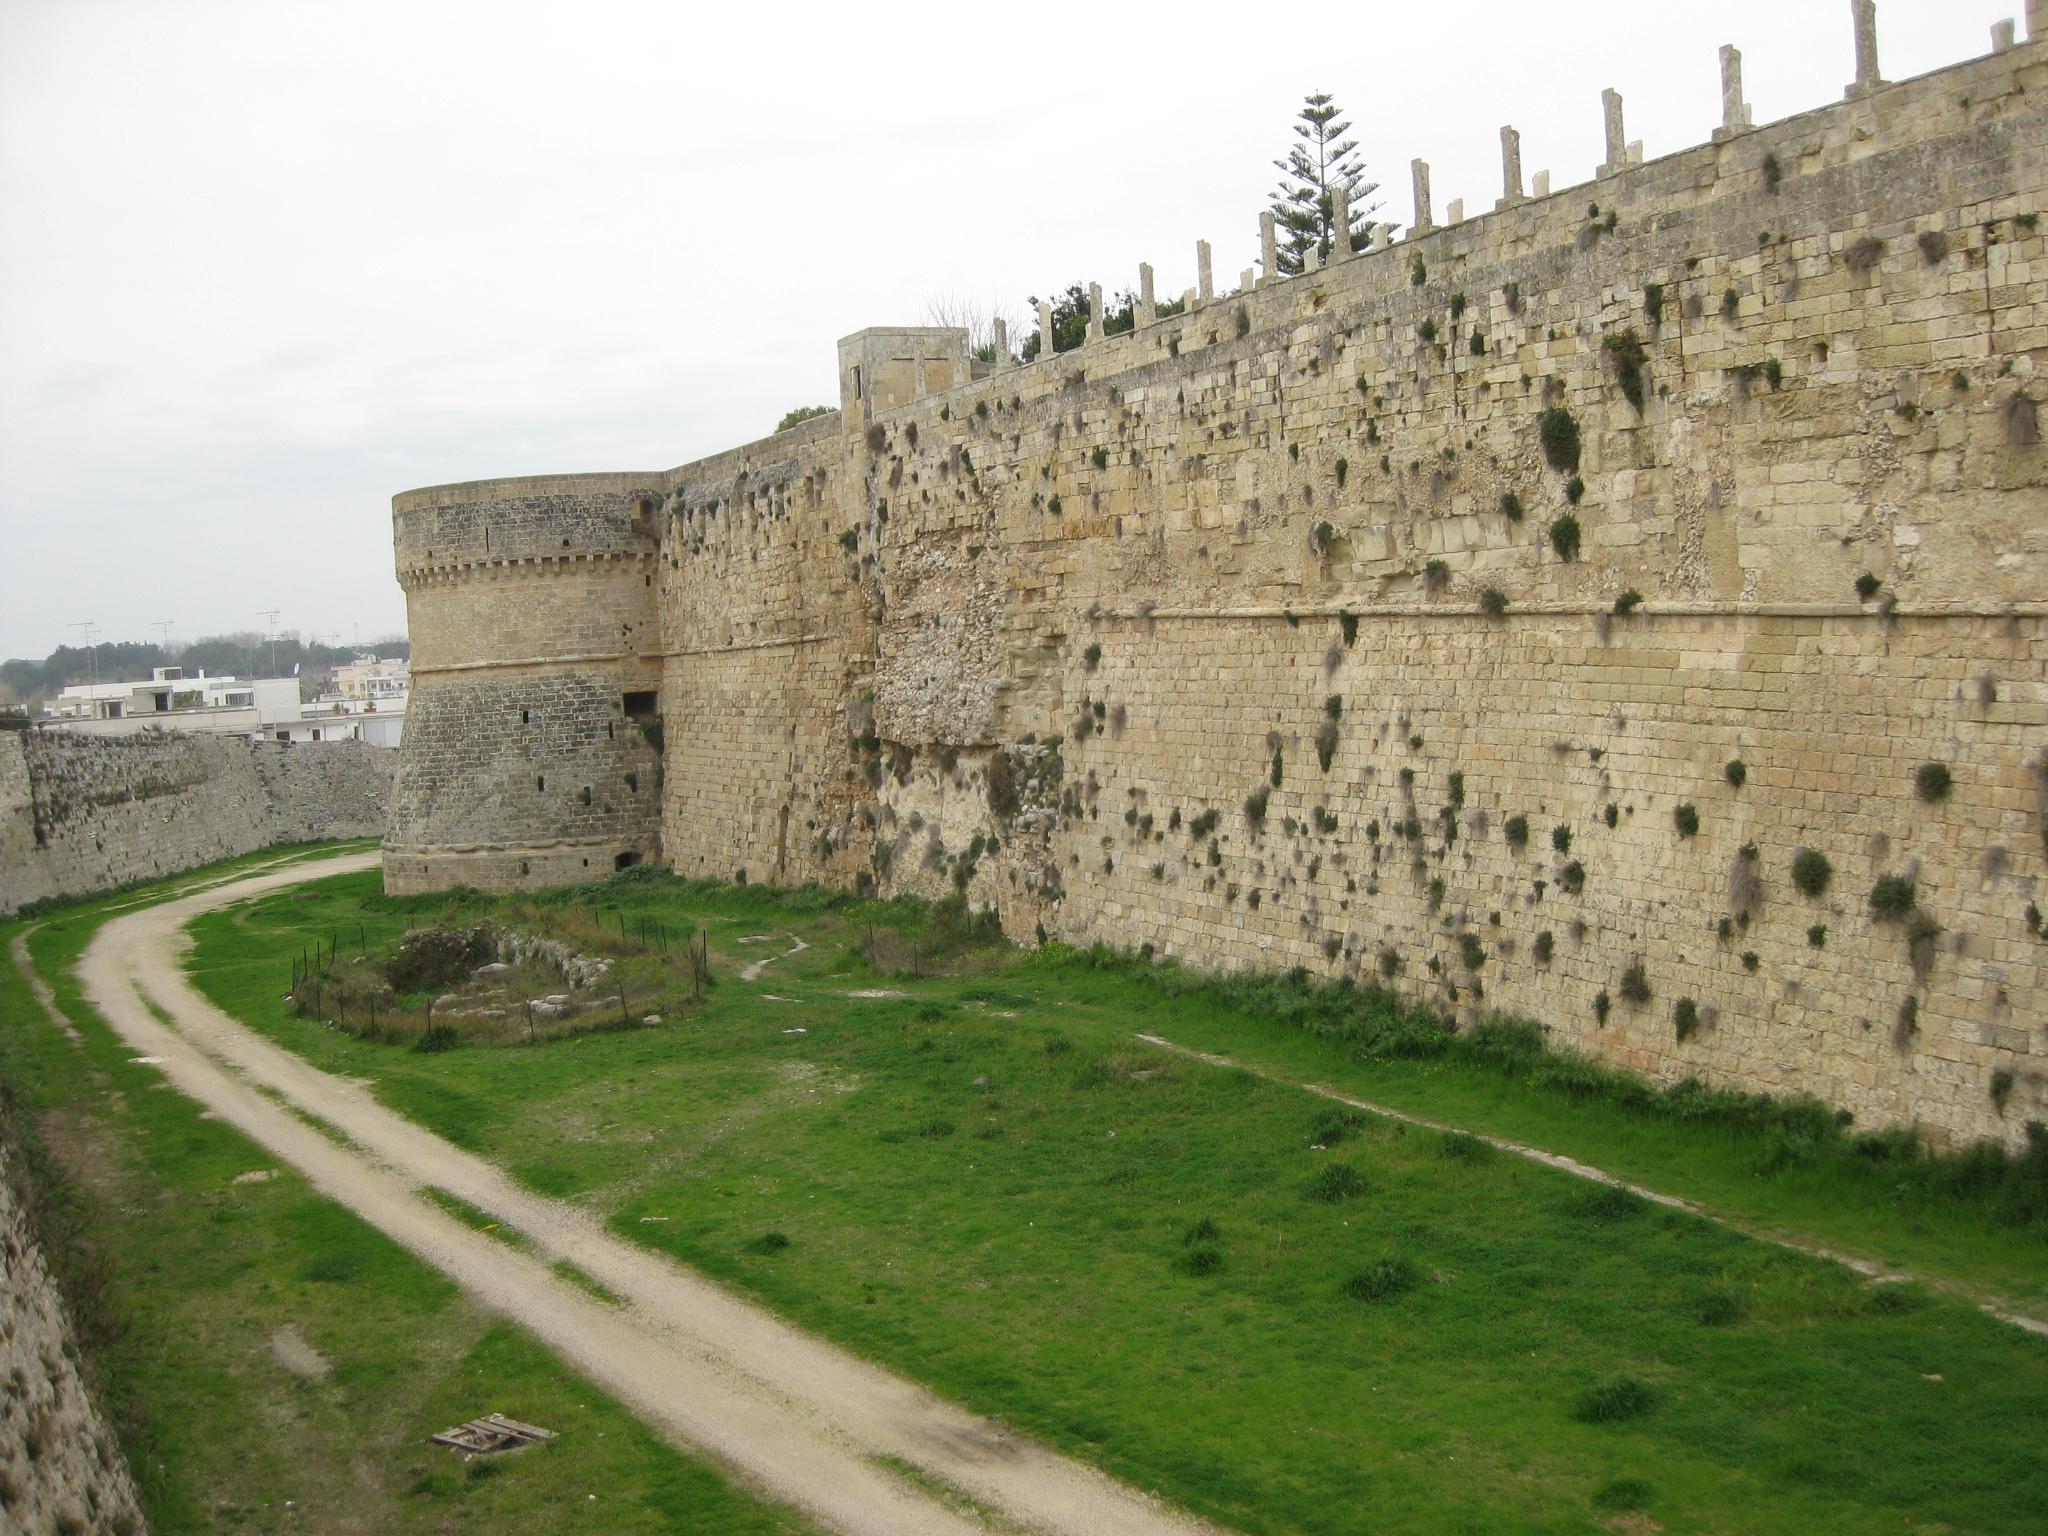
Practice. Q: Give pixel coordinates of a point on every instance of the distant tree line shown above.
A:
(244, 654)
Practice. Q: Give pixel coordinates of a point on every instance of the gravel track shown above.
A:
(790, 1415)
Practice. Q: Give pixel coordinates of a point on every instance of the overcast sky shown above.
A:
(263, 265)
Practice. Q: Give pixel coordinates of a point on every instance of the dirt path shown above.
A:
(753, 972)
(793, 1416)
(2000, 1307)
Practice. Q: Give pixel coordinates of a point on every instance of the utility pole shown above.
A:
(85, 628)
(271, 614)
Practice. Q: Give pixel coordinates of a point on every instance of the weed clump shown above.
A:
(1622, 1494)
(1932, 782)
(1612, 1401)
(1626, 350)
(1255, 807)
(1383, 1280)
(1717, 1306)
(1336, 1183)
(1736, 772)
(1564, 538)
(1685, 1017)
(1560, 436)
(436, 1038)
(1607, 1203)
(1893, 898)
(1635, 983)
(1333, 1125)
(1205, 1259)
(1687, 819)
(1463, 1147)
(1811, 872)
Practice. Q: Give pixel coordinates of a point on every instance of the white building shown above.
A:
(172, 701)
(365, 702)
(373, 679)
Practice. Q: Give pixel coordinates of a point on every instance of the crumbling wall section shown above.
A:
(80, 814)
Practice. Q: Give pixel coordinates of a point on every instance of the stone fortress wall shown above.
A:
(74, 1478)
(533, 742)
(80, 814)
(1250, 636)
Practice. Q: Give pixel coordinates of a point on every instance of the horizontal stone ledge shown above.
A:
(517, 662)
(444, 570)
(748, 645)
(1646, 609)
(437, 850)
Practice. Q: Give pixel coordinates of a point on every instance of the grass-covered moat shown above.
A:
(957, 1159)
(195, 1268)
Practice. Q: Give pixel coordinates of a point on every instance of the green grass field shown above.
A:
(1217, 1286)
(179, 1278)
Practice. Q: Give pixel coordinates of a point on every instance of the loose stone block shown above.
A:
(1269, 258)
(1418, 175)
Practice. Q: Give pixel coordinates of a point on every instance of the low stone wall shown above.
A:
(82, 814)
(60, 1468)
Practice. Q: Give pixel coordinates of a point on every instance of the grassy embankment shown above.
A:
(1219, 1286)
(179, 1278)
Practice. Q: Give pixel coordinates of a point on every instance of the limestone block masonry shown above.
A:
(1502, 615)
(60, 1466)
(80, 814)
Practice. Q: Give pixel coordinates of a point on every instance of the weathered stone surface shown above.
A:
(865, 629)
(75, 1477)
(87, 813)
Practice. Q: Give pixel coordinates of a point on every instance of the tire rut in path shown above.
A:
(797, 1418)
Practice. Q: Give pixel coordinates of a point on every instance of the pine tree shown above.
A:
(1324, 159)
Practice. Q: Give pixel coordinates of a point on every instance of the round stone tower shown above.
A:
(533, 739)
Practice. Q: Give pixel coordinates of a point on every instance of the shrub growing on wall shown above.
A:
(1564, 537)
(1811, 872)
(1560, 434)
